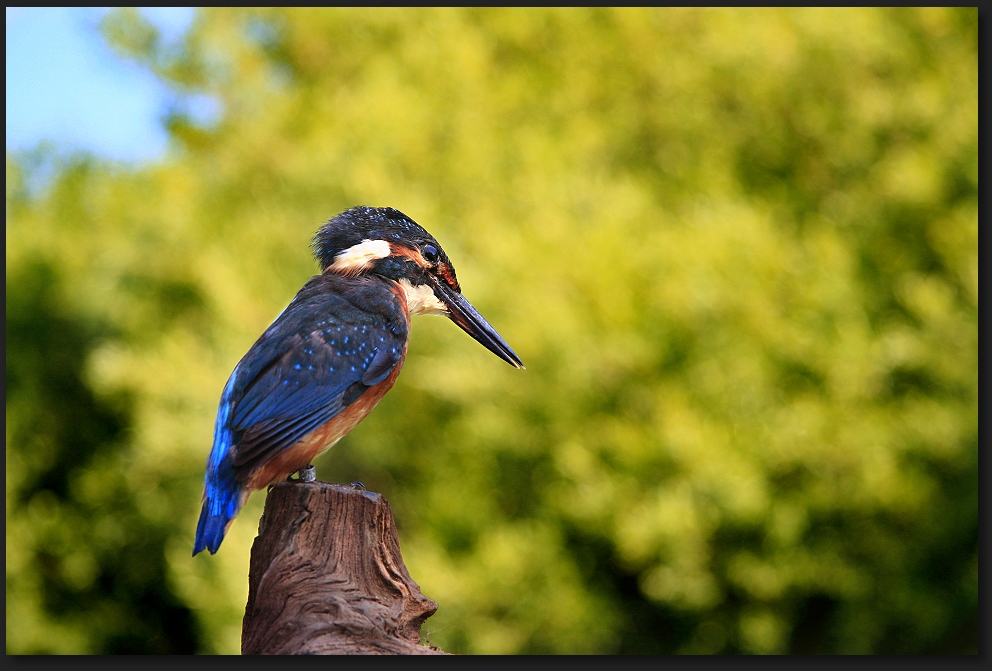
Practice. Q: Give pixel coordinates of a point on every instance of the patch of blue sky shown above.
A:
(65, 86)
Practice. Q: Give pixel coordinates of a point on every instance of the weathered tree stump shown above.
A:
(327, 577)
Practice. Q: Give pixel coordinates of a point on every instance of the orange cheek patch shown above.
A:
(409, 253)
(324, 437)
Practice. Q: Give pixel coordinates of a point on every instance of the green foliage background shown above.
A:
(737, 250)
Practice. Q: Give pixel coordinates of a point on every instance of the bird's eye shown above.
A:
(430, 253)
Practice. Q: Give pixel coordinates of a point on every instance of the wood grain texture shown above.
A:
(327, 577)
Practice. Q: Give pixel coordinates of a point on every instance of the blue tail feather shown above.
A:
(223, 495)
(219, 508)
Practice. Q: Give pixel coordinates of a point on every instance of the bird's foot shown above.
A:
(358, 485)
(308, 473)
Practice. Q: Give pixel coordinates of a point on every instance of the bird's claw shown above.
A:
(358, 485)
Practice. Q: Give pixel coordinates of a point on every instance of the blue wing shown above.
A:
(334, 341)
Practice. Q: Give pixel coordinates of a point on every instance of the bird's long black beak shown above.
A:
(462, 313)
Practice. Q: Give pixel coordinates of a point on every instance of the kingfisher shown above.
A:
(329, 357)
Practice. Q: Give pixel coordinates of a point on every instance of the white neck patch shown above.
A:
(420, 300)
(357, 258)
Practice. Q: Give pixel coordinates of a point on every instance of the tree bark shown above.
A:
(327, 577)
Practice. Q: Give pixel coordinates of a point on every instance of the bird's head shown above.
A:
(385, 242)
